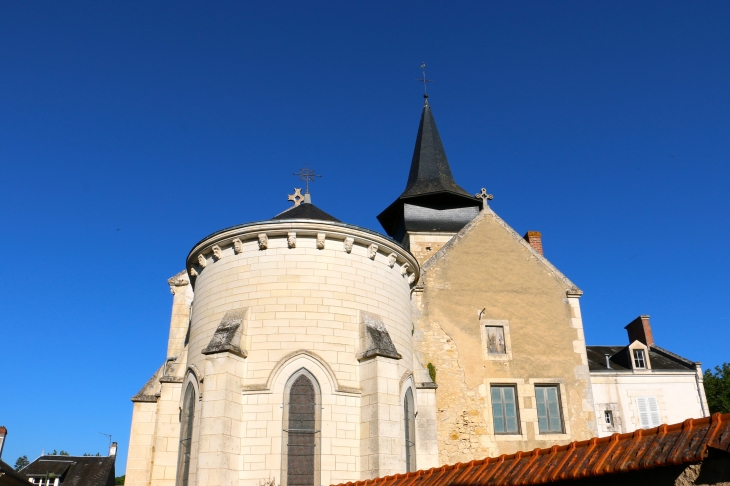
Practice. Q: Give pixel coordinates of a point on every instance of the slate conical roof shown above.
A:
(430, 171)
(305, 211)
(430, 187)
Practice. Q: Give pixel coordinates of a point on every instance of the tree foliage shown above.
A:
(21, 463)
(119, 479)
(717, 388)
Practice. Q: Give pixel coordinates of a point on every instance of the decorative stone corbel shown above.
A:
(202, 261)
(179, 280)
(237, 246)
(404, 269)
(372, 251)
(392, 258)
(320, 241)
(193, 272)
(574, 292)
(263, 241)
(291, 240)
(411, 278)
(216, 252)
(348, 244)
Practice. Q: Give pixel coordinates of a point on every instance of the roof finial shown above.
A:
(424, 81)
(306, 175)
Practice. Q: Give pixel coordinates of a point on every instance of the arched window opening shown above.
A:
(409, 415)
(186, 436)
(301, 431)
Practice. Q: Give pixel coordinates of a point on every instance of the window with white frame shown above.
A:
(648, 412)
(45, 481)
(639, 359)
(549, 413)
(608, 417)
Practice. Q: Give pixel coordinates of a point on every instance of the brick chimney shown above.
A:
(534, 238)
(640, 330)
(3, 434)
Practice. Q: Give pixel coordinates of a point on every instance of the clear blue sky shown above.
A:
(130, 130)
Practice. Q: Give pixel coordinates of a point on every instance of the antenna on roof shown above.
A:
(110, 438)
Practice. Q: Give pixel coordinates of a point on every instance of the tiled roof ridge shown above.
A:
(603, 456)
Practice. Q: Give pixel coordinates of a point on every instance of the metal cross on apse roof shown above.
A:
(306, 175)
(424, 80)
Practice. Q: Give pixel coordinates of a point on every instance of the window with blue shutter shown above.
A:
(504, 410)
(549, 416)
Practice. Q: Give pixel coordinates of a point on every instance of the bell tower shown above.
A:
(433, 207)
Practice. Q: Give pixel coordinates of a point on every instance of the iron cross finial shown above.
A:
(424, 80)
(306, 175)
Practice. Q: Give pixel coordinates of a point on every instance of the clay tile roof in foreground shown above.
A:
(683, 443)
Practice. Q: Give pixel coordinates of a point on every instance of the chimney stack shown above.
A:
(113, 449)
(640, 330)
(534, 238)
(3, 434)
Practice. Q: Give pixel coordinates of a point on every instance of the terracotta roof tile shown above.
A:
(683, 443)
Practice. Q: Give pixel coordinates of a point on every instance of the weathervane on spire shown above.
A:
(424, 80)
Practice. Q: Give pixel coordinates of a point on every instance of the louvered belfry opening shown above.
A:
(301, 433)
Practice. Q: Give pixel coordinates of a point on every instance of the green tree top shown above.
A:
(717, 388)
(21, 463)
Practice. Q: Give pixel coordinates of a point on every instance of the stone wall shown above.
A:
(488, 273)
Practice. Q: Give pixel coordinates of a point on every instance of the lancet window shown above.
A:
(187, 416)
(301, 431)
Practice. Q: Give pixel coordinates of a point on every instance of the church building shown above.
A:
(305, 351)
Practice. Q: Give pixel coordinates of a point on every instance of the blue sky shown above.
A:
(130, 130)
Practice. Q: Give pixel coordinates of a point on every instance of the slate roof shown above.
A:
(9, 477)
(74, 470)
(305, 211)
(430, 181)
(620, 359)
(430, 170)
(667, 445)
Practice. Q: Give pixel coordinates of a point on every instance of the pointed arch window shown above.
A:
(302, 405)
(186, 436)
(409, 415)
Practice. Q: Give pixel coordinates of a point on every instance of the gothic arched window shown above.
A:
(301, 431)
(186, 436)
(409, 416)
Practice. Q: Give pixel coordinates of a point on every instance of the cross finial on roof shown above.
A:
(297, 197)
(484, 197)
(424, 81)
(306, 175)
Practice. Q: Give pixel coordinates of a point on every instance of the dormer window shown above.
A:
(639, 359)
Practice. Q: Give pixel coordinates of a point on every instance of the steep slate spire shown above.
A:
(432, 200)
(430, 171)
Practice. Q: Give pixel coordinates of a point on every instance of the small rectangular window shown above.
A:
(648, 412)
(608, 417)
(549, 416)
(639, 359)
(504, 410)
(495, 340)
